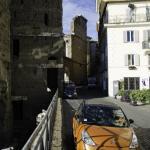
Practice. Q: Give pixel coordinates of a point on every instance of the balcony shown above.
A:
(146, 45)
(137, 18)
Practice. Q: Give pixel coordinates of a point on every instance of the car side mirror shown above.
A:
(131, 121)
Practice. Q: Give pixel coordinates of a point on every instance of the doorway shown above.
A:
(52, 79)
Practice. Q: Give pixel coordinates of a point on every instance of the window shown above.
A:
(16, 47)
(52, 58)
(46, 19)
(146, 35)
(132, 14)
(148, 59)
(131, 36)
(148, 13)
(131, 83)
(21, 1)
(132, 60)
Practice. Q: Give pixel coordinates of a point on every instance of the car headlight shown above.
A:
(134, 142)
(87, 139)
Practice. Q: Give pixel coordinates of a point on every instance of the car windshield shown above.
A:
(104, 116)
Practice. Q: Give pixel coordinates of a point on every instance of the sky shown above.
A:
(86, 8)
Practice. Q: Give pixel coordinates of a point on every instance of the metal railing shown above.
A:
(41, 138)
(129, 19)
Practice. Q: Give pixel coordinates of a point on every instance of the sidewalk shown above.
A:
(57, 131)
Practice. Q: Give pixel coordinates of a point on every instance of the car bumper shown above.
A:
(83, 146)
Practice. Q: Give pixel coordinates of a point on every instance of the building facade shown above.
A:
(124, 44)
(76, 51)
(91, 58)
(37, 57)
(5, 100)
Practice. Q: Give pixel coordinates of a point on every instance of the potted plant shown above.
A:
(138, 97)
(125, 96)
(120, 94)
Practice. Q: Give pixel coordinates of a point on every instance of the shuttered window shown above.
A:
(130, 36)
(132, 60)
(131, 83)
(148, 13)
(148, 59)
(146, 35)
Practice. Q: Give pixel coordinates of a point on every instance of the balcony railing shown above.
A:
(129, 19)
(146, 44)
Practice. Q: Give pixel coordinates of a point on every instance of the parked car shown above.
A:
(91, 82)
(70, 90)
(103, 126)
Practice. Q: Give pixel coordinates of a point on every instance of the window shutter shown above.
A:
(137, 60)
(126, 60)
(148, 35)
(145, 35)
(148, 59)
(136, 34)
(125, 36)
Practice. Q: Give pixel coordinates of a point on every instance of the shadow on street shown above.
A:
(85, 93)
(68, 142)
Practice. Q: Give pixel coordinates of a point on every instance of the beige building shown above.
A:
(76, 52)
(5, 103)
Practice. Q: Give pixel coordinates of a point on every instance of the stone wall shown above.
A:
(31, 17)
(5, 103)
(76, 47)
(37, 56)
(79, 58)
(79, 26)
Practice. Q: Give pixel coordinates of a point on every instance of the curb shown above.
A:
(57, 132)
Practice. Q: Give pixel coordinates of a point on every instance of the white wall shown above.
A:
(117, 50)
(121, 11)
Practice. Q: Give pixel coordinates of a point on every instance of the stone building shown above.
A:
(5, 103)
(76, 51)
(91, 57)
(37, 57)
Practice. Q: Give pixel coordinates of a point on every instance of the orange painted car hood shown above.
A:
(109, 136)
